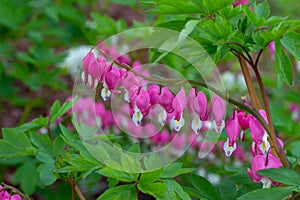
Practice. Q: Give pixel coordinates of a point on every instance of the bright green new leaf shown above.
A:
(119, 193)
(156, 189)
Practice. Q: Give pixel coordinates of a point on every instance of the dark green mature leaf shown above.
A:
(58, 145)
(277, 193)
(204, 187)
(282, 175)
(156, 189)
(27, 176)
(46, 171)
(119, 193)
(15, 144)
(284, 67)
(295, 148)
(227, 190)
(291, 41)
(174, 188)
(41, 141)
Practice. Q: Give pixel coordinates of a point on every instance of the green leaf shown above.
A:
(46, 175)
(192, 192)
(58, 145)
(262, 9)
(174, 188)
(174, 169)
(204, 187)
(156, 189)
(122, 176)
(119, 193)
(15, 144)
(152, 162)
(112, 182)
(277, 193)
(282, 175)
(53, 110)
(214, 5)
(150, 176)
(135, 148)
(295, 148)
(130, 162)
(41, 141)
(56, 113)
(175, 7)
(227, 190)
(284, 66)
(291, 41)
(27, 176)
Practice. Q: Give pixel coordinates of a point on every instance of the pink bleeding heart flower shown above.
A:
(96, 70)
(165, 99)
(232, 132)
(197, 106)
(260, 162)
(15, 197)
(243, 119)
(141, 106)
(85, 66)
(4, 194)
(154, 92)
(112, 78)
(258, 133)
(130, 82)
(218, 110)
(179, 104)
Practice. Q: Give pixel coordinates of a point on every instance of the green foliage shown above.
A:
(204, 188)
(282, 175)
(278, 193)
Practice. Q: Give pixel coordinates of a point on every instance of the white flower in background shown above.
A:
(228, 79)
(74, 58)
(241, 82)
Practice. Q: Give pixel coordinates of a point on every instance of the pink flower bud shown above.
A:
(218, 111)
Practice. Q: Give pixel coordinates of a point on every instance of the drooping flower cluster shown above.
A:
(263, 157)
(142, 99)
